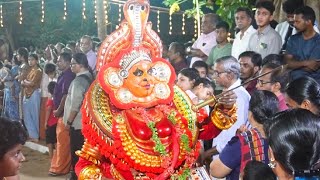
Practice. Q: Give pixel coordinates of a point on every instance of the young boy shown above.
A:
(266, 40)
(51, 121)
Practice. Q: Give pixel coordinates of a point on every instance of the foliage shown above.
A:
(227, 8)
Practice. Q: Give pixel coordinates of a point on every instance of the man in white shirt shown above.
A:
(243, 19)
(286, 28)
(86, 47)
(226, 73)
(206, 41)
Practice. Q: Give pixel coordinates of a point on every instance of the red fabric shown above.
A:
(209, 131)
(52, 120)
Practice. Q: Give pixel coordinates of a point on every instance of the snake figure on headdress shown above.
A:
(136, 122)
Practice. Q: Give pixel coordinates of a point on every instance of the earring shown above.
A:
(272, 164)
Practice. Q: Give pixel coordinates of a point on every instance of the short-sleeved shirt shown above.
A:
(205, 43)
(218, 52)
(62, 86)
(303, 50)
(52, 120)
(265, 43)
(241, 45)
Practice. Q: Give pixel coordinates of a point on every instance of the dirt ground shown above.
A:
(36, 166)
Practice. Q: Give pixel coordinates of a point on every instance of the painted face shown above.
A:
(263, 17)
(264, 82)
(10, 164)
(140, 81)
(184, 82)
(242, 20)
(246, 68)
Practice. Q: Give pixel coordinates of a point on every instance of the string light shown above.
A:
(65, 9)
(84, 9)
(20, 12)
(158, 21)
(183, 24)
(195, 28)
(1, 17)
(95, 10)
(105, 4)
(120, 12)
(42, 11)
(170, 24)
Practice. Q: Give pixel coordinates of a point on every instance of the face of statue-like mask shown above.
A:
(140, 81)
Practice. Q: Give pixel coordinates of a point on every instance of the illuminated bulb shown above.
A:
(183, 24)
(20, 12)
(105, 11)
(170, 24)
(65, 9)
(195, 28)
(158, 21)
(84, 9)
(95, 11)
(1, 16)
(42, 11)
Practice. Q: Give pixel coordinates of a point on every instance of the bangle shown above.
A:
(69, 123)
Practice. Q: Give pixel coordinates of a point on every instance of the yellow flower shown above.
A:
(174, 8)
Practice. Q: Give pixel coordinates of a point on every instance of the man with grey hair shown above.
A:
(206, 41)
(86, 47)
(226, 73)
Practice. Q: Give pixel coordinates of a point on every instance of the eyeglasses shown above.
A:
(217, 73)
(261, 82)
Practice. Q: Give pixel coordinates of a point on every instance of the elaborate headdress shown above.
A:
(132, 43)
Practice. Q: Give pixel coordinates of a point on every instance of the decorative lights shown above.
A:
(95, 10)
(20, 12)
(195, 28)
(84, 9)
(1, 17)
(170, 24)
(119, 14)
(65, 9)
(158, 21)
(105, 4)
(183, 24)
(42, 11)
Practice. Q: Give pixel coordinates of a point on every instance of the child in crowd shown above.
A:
(12, 138)
(257, 170)
(51, 121)
(186, 78)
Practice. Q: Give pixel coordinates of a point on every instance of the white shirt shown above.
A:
(243, 98)
(92, 59)
(282, 29)
(241, 45)
(205, 43)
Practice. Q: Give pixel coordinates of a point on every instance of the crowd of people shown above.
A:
(273, 72)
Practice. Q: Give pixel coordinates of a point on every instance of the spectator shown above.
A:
(72, 114)
(186, 78)
(304, 93)
(250, 144)
(176, 55)
(243, 19)
(206, 41)
(202, 68)
(266, 40)
(51, 122)
(250, 64)
(286, 29)
(86, 47)
(31, 99)
(12, 138)
(257, 170)
(227, 74)
(72, 46)
(275, 81)
(59, 46)
(274, 59)
(294, 142)
(223, 47)
(303, 49)
(61, 160)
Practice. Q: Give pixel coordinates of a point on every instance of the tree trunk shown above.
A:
(101, 23)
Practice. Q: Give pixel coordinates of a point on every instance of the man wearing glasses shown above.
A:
(226, 73)
(275, 82)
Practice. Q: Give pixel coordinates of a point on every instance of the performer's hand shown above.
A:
(228, 99)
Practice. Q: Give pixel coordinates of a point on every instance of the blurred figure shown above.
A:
(176, 55)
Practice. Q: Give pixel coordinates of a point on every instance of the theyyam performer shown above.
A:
(136, 122)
